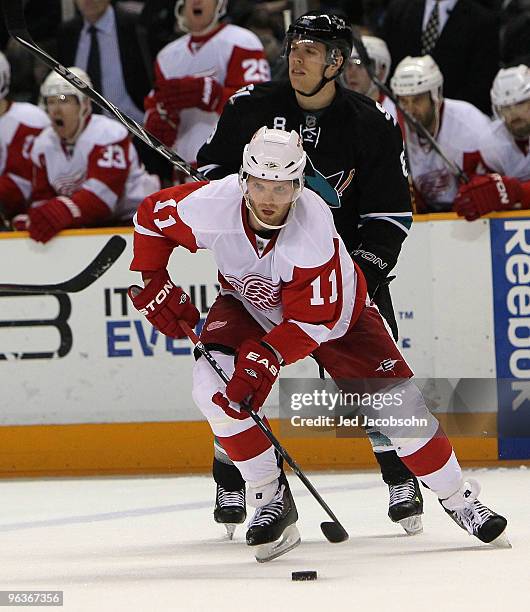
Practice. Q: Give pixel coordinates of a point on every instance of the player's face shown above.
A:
(270, 200)
(64, 114)
(199, 14)
(421, 107)
(92, 9)
(517, 118)
(356, 77)
(307, 61)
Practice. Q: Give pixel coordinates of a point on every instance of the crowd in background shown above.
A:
(468, 49)
(509, 38)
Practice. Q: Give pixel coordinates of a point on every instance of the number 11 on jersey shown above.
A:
(317, 299)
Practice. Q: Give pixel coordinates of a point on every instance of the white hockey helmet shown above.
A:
(56, 85)
(378, 52)
(417, 75)
(220, 12)
(510, 86)
(273, 155)
(5, 76)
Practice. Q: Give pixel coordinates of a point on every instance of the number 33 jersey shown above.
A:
(100, 171)
(300, 283)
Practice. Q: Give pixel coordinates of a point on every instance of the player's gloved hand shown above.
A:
(486, 193)
(50, 218)
(158, 122)
(164, 305)
(191, 92)
(20, 223)
(257, 369)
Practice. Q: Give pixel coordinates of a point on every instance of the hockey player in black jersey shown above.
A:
(356, 163)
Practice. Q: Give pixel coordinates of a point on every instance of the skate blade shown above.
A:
(230, 529)
(501, 541)
(290, 539)
(412, 525)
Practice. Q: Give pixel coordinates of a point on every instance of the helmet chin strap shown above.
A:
(323, 82)
(248, 203)
(81, 125)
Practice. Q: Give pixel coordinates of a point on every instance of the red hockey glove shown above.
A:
(486, 193)
(157, 122)
(257, 369)
(164, 305)
(20, 223)
(47, 220)
(223, 403)
(191, 92)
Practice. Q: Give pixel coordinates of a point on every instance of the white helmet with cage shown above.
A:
(378, 52)
(54, 85)
(220, 12)
(5, 76)
(510, 86)
(417, 75)
(273, 155)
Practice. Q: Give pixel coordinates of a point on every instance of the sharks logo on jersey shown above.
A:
(329, 188)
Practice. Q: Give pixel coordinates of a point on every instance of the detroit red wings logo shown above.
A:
(434, 184)
(259, 290)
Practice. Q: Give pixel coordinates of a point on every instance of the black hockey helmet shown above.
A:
(331, 30)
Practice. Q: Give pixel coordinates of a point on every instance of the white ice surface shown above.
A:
(150, 544)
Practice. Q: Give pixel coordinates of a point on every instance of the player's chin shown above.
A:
(298, 81)
(519, 129)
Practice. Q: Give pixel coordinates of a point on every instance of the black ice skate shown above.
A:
(406, 505)
(230, 509)
(474, 517)
(273, 526)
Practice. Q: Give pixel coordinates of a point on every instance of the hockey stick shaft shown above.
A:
(16, 25)
(262, 426)
(96, 268)
(418, 127)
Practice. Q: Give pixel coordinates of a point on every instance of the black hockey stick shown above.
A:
(333, 531)
(96, 268)
(418, 127)
(17, 28)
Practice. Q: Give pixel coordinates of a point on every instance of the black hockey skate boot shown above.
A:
(230, 509)
(405, 505)
(474, 517)
(273, 527)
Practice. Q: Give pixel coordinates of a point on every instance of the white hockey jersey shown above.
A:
(388, 106)
(100, 172)
(303, 282)
(461, 128)
(500, 153)
(231, 55)
(19, 126)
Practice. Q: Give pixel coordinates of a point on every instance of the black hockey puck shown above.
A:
(308, 575)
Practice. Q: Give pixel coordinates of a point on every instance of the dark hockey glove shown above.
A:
(383, 299)
(378, 290)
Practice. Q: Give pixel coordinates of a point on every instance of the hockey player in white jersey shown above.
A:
(455, 125)
(288, 288)
(356, 77)
(20, 124)
(504, 150)
(197, 73)
(86, 169)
